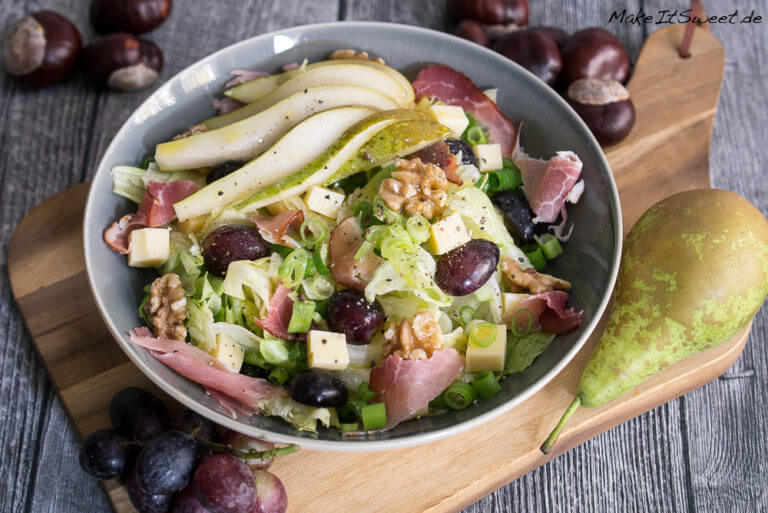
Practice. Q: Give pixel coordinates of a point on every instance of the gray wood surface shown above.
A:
(705, 452)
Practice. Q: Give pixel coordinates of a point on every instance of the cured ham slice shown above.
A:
(156, 207)
(547, 183)
(407, 386)
(279, 313)
(346, 239)
(116, 236)
(454, 88)
(241, 75)
(548, 312)
(275, 229)
(202, 368)
(440, 155)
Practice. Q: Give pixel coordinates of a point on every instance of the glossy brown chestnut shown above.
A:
(595, 53)
(490, 12)
(535, 50)
(605, 106)
(41, 48)
(122, 61)
(134, 16)
(558, 35)
(473, 31)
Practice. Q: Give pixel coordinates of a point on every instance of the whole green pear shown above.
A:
(694, 272)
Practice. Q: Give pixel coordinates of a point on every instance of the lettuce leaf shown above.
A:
(301, 416)
(183, 262)
(131, 182)
(521, 351)
(199, 324)
(252, 280)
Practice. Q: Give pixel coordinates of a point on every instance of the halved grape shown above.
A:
(106, 454)
(348, 312)
(272, 497)
(318, 390)
(231, 243)
(465, 269)
(223, 484)
(166, 463)
(138, 414)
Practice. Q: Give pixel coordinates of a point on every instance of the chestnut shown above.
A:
(41, 48)
(594, 53)
(490, 12)
(122, 61)
(558, 35)
(473, 31)
(535, 50)
(134, 16)
(605, 106)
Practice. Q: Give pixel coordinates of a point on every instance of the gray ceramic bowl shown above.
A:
(590, 261)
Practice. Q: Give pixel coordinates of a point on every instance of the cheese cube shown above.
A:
(194, 224)
(323, 201)
(446, 234)
(452, 117)
(488, 157)
(490, 358)
(228, 352)
(327, 350)
(277, 207)
(510, 302)
(149, 247)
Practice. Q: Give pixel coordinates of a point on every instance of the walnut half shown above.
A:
(350, 54)
(521, 280)
(416, 187)
(167, 307)
(415, 340)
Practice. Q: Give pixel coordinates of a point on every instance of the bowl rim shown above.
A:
(358, 445)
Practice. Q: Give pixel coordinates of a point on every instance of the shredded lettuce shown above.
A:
(302, 417)
(252, 280)
(239, 334)
(131, 182)
(317, 287)
(199, 324)
(521, 351)
(456, 339)
(183, 262)
(399, 305)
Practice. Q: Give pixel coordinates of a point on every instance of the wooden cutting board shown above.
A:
(667, 152)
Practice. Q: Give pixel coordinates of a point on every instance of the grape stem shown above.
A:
(249, 455)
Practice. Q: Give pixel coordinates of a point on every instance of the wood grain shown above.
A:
(704, 452)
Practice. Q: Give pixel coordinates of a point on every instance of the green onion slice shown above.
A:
(475, 136)
(514, 329)
(364, 393)
(301, 318)
(346, 427)
(374, 416)
(483, 333)
(459, 395)
(418, 228)
(294, 267)
(537, 258)
(313, 233)
(486, 385)
(278, 377)
(549, 245)
(467, 314)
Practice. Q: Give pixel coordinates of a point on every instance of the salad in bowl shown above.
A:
(344, 247)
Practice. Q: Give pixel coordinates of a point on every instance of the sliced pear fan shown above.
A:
(295, 150)
(246, 139)
(347, 149)
(342, 73)
(252, 90)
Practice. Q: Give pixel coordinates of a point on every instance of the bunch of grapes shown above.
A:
(185, 464)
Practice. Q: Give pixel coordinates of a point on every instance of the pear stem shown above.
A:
(552, 438)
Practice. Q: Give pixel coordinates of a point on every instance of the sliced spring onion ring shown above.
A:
(475, 135)
(459, 395)
(301, 317)
(482, 333)
(418, 228)
(467, 314)
(486, 385)
(294, 267)
(514, 329)
(549, 245)
(364, 393)
(317, 233)
(374, 416)
(278, 377)
(536, 257)
(346, 427)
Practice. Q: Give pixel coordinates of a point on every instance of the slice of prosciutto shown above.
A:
(547, 183)
(548, 312)
(156, 207)
(275, 229)
(454, 88)
(116, 236)
(202, 368)
(407, 386)
(345, 240)
(279, 313)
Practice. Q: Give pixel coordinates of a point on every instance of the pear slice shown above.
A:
(394, 141)
(342, 73)
(246, 139)
(346, 149)
(300, 146)
(249, 92)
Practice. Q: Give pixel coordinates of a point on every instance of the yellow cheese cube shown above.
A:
(446, 234)
(488, 157)
(327, 350)
(228, 352)
(490, 358)
(148, 247)
(451, 116)
(323, 201)
(194, 224)
(510, 302)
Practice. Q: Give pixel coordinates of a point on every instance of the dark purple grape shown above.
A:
(272, 497)
(348, 312)
(195, 425)
(319, 390)
(223, 170)
(138, 414)
(186, 502)
(244, 443)
(223, 484)
(465, 269)
(106, 454)
(146, 502)
(468, 156)
(518, 216)
(231, 243)
(166, 463)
